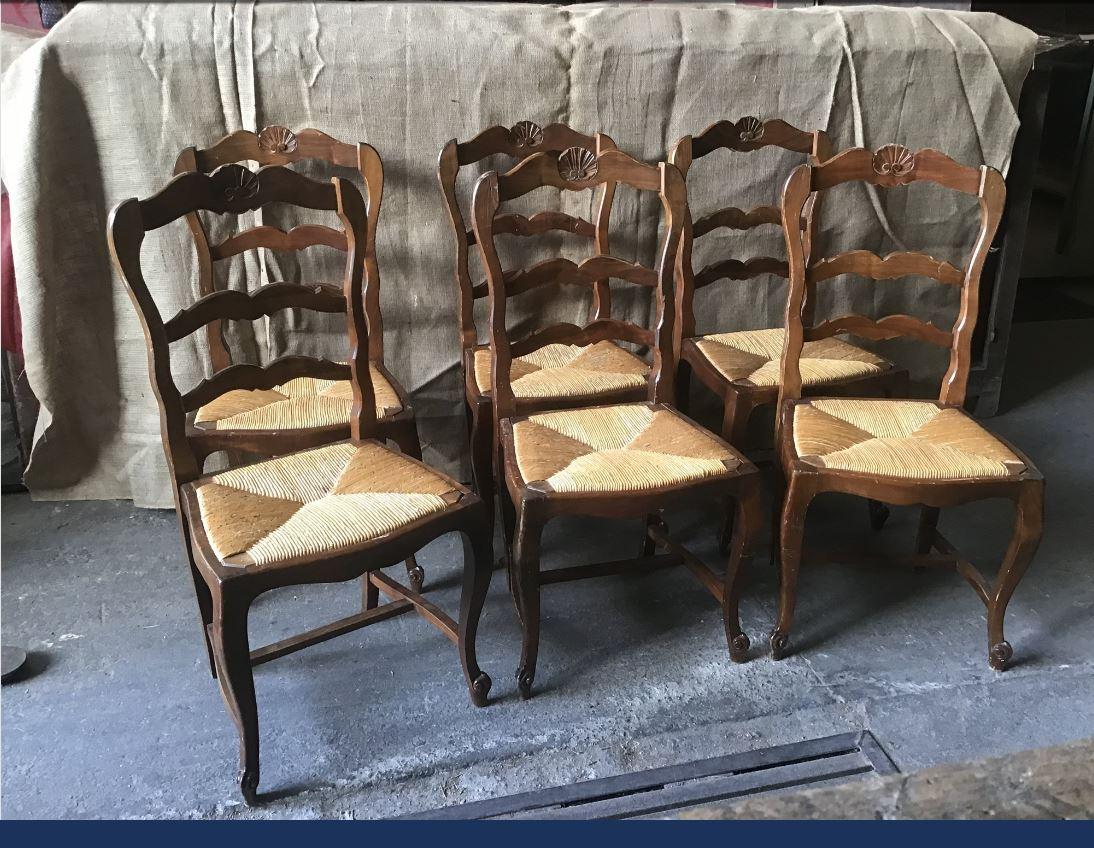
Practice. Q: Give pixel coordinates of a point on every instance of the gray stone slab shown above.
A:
(1046, 783)
(118, 715)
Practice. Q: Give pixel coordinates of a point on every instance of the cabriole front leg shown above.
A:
(799, 493)
(478, 565)
(526, 570)
(1028, 524)
(747, 524)
(406, 437)
(233, 657)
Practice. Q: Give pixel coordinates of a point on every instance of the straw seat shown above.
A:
(316, 502)
(623, 448)
(754, 358)
(301, 403)
(561, 371)
(912, 440)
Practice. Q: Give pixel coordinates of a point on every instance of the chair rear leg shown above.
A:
(736, 416)
(205, 609)
(406, 437)
(1028, 524)
(233, 656)
(478, 565)
(879, 514)
(482, 451)
(526, 573)
(683, 386)
(649, 547)
(800, 492)
(748, 524)
(928, 524)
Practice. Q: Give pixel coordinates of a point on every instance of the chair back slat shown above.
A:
(277, 145)
(252, 377)
(274, 238)
(238, 306)
(736, 269)
(540, 223)
(610, 329)
(518, 142)
(887, 167)
(575, 170)
(732, 218)
(864, 263)
(889, 327)
(743, 136)
(228, 191)
(564, 272)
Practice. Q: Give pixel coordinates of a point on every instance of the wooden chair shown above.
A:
(559, 376)
(742, 367)
(328, 513)
(305, 412)
(618, 460)
(898, 451)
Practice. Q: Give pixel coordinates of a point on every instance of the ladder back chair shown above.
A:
(304, 412)
(742, 367)
(329, 513)
(616, 460)
(559, 376)
(924, 452)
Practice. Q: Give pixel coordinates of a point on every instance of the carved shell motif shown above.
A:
(526, 134)
(577, 164)
(235, 182)
(749, 129)
(893, 160)
(277, 140)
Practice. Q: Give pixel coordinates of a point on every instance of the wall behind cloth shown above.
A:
(97, 111)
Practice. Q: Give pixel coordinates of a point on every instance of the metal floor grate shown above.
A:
(663, 790)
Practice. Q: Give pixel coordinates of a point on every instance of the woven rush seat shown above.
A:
(754, 357)
(299, 404)
(916, 440)
(566, 371)
(623, 448)
(316, 502)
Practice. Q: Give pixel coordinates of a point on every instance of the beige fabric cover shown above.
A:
(567, 371)
(915, 440)
(97, 111)
(755, 357)
(622, 448)
(315, 502)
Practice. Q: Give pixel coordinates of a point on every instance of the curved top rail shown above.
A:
(576, 169)
(272, 145)
(525, 138)
(748, 134)
(234, 189)
(894, 165)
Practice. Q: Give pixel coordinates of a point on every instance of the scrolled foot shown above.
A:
(248, 786)
(524, 683)
(879, 514)
(738, 648)
(779, 643)
(480, 689)
(1000, 655)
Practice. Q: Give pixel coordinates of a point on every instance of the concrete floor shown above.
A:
(121, 719)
